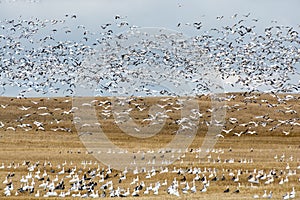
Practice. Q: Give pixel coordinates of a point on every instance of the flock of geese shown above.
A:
(44, 57)
(244, 57)
(278, 114)
(92, 179)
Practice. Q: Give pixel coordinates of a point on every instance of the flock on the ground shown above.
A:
(92, 179)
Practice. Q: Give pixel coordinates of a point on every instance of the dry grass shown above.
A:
(37, 145)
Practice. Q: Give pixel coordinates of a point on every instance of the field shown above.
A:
(41, 135)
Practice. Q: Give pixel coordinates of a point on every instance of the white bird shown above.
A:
(281, 181)
(7, 193)
(5, 181)
(95, 195)
(239, 134)
(37, 194)
(186, 188)
(204, 189)
(11, 128)
(286, 132)
(286, 196)
(62, 194)
(4, 106)
(1, 124)
(24, 108)
(193, 188)
(265, 195)
(227, 131)
(292, 193)
(251, 132)
(135, 193)
(220, 136)
(270, 195)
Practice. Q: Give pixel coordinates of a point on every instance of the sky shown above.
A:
(156, 13)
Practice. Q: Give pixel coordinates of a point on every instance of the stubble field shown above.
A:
(269, 142)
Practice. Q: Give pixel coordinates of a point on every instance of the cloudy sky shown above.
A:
(145, 13)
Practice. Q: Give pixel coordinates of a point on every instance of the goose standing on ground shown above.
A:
(292, 193)
(204, 189)
(226, 190)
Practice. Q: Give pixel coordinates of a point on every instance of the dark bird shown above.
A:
(227, 190)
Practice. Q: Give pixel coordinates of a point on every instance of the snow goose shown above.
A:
(293, 193)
